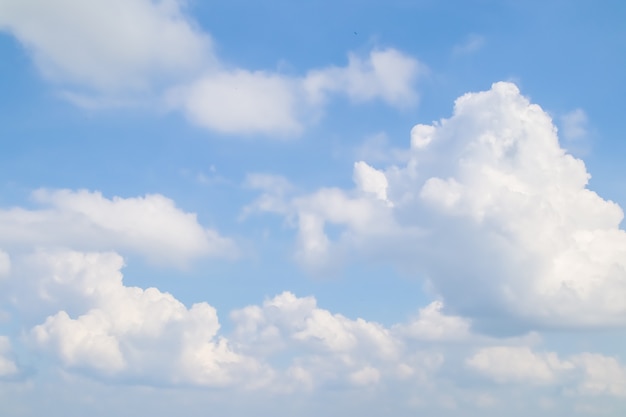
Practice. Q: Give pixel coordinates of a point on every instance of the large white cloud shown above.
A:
(502, 222)
(151, 225)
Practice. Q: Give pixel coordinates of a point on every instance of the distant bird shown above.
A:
(355, 33)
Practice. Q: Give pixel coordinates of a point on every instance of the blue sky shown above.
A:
(312, 208)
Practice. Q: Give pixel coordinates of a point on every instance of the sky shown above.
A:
(308, 208)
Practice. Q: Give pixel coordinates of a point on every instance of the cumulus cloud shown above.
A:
(333, 347)
(243, 101)
(133, 333)
(151, 225)
(107, 45)
(504, 226)
(386, 74)
(87, 320)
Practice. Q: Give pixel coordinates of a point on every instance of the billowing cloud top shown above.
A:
(490, 209)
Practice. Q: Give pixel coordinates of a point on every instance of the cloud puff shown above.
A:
(502, 221)
(107, 45)
(432, 324)
(242, 101)
(151, 225)
(132, 333)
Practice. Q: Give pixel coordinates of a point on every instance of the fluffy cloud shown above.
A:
(129, 332)
(432, 324)
(387, 75)
(502, 222)
(242, 101)
(333, 347)
(151, 226)
(107, 45)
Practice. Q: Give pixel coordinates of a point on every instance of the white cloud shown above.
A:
(502, 222)
(107, 45)
(152, 226)
(432, 324)
(289, 318)
(331, 347)
(371, 180)
(386, 74)
(241, 101)
(129, 332)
